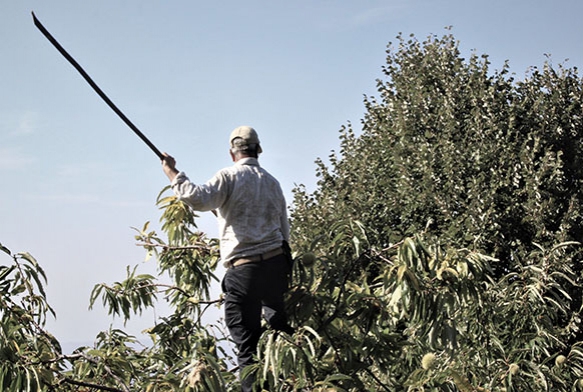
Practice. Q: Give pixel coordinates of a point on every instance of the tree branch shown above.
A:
(107, 370)
(370, 373)
(169, 247)
(92, 386)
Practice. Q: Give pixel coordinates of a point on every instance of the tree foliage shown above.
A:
(183, 353)
(475, 164)
(439, 252)
(482, 160)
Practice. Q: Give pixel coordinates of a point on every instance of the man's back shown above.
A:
(253, 216)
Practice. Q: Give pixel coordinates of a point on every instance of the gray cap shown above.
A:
(248, 137)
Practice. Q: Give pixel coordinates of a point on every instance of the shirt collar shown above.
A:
(248, 161)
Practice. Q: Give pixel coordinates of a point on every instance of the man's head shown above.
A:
(245, 142)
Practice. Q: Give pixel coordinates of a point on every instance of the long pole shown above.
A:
(95, 87)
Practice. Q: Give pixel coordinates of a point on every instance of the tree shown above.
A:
(28, 354)
(183, 353)
(439, 252)
(475, 164)
(480, 160)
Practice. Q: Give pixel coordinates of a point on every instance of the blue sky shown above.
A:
(74, 178)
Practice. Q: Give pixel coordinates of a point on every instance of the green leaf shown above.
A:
(5, 250)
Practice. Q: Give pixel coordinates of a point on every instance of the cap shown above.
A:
(248, 134)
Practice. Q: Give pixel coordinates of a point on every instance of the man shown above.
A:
(253, 226)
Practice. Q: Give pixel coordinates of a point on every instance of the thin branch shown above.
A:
(208, 304)
(167, 286)
(158, 285)
(376, 379)
(92, 386)
(169, 247)
(108, 371)
(379, 253)
(123, 291)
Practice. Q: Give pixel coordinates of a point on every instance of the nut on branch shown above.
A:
(428, 361)
(308, 259)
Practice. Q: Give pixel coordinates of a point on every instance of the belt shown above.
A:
(255, 258)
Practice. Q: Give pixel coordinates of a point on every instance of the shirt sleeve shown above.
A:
(206, 197)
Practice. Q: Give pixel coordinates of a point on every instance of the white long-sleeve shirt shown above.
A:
(250, 205)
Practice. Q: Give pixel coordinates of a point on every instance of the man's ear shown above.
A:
(233, 156)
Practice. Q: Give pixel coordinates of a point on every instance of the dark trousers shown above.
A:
(249, 289)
